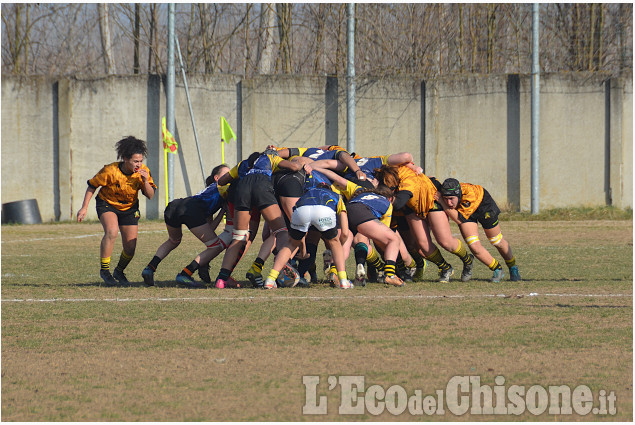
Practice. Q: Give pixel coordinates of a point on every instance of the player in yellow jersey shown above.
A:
(468, 205)
(416, 194)
(118, 204)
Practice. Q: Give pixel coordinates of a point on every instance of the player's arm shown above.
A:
(216, 221)
(346, 159)
(90, 191)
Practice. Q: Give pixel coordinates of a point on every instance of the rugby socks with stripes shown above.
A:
(124, 260)
(511, 263)
(105, 263)
(495, 265)
(256, 267)
(374, 259)
(154, 263)
(418, 258)
(461, 252)
(390, 268)
(191, 268)
(438, 259)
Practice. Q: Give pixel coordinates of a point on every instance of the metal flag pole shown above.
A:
(189, 105)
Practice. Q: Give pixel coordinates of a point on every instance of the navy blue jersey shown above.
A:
(367, 165)
(315, 178)
(265, 164)
(378, 204)
(212, 198)
(321, 196)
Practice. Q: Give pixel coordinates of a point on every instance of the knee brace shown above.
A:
(240, 235)
(471, 239)
(496, 239)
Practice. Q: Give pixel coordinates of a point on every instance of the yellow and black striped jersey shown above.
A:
(118, 189)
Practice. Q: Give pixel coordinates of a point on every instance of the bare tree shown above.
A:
(284, 34)
(265, 38)
(104, 30)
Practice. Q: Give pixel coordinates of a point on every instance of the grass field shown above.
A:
(75, 351)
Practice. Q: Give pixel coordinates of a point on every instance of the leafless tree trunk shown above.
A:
(135, 67)
(284, 31)
(265, 39)
(104, 31)
(491, 34)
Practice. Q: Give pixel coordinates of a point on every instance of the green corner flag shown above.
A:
(226, 132)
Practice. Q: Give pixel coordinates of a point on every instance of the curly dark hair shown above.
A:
(129, 146)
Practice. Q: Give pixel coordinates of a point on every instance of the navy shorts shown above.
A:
(189, 211)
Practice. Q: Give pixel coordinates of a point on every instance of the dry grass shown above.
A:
(171, 354)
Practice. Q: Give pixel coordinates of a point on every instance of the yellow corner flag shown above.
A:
(168, 139)
(226, 132)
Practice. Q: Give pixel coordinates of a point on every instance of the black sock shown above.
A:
(154, 263)
(361, 252)
(224, 274)
(305, 265)
(191, 268)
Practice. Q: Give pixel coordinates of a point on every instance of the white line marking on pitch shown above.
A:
(284, 298)
(75, 237)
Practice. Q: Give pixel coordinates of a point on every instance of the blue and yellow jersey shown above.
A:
(341, 149)
(265, 164)
(367, 165)
(379, 205)
(118, 189)
(347, 192)
(212, 197)
(322, 196)
(314, 179)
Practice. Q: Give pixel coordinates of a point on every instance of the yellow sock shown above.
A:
(374, 259)
(511, 263)
(124, 260)
(273, 274)
(461, 252)
(494, 265)
(342, 275)
(413, 264)
(105, 263)
(438, 259)
(333, 269)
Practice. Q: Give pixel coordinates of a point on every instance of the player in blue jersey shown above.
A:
(369, 215)
(195, 212)
(319, 208)
(253, 189)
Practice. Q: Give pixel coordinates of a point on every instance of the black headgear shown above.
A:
(451, 187)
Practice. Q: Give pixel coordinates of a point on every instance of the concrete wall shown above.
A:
(475, 128)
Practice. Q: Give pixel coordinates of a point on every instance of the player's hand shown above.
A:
(144, 174)
(307, 168)
(437, 196)
(360, 174)
(81, 214)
